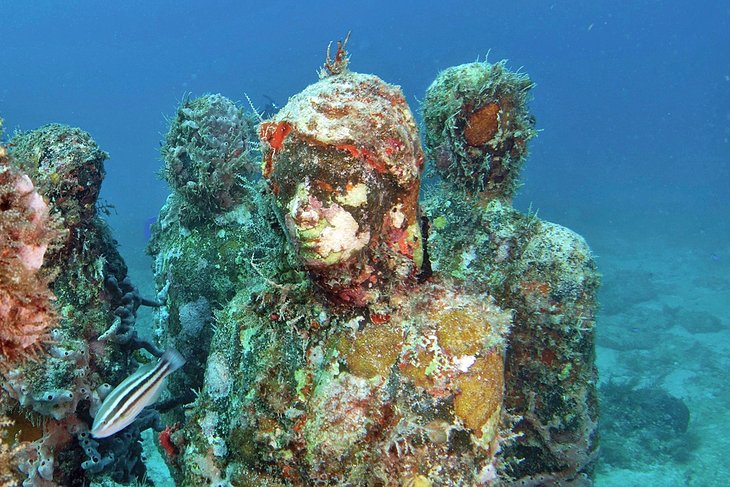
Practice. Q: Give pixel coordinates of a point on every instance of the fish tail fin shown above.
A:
(174, 358)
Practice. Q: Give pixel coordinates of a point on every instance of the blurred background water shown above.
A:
(632, 100)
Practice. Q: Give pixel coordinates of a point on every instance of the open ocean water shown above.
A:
(632, 101)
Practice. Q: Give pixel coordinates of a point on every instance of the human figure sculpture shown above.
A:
(477, 125)
(345, 360)
(361, 374)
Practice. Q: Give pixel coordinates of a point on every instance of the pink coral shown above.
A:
(30, 251)
(26, 231)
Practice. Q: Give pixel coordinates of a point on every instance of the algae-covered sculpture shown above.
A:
(477, 127)
(207, 154)
(542, 271)
(344, 161)
(341, 367)
(345, 340)
(217, 221)
(336, 329)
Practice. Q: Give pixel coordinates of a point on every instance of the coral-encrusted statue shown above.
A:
(206, 153)
(477, 125)
(358, 374)
(342, 359)
(344, 161)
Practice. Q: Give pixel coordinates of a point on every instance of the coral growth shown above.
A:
(477, 126)
(215, 234)
(26, 232)
(165, 439)
(370, 377)
(338, 64)
(9, 453)
(199, 265)
(335, 401)
(482, 125)
(207, 154)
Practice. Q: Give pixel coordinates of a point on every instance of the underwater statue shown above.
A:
(352, 370)
(342, 322)
(358, 339)
(477, 126)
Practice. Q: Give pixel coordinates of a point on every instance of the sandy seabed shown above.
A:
(664, 331)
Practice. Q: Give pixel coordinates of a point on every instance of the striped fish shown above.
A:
(122, 406)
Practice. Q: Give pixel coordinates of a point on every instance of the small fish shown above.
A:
(122, 406)
(149, 221)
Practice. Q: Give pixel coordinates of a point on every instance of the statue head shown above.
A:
(343, 159)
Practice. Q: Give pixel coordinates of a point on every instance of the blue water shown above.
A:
(632, 100)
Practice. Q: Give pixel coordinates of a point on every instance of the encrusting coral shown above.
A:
(10, 449)
(67, 167)
(336, 331)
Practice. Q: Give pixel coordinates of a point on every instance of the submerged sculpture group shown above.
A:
(345, 325)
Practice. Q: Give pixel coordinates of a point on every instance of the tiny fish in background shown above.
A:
(148, 226)
(122, 406)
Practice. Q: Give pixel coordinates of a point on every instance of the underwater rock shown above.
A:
(642, 426)
(623, 289)
(696, 321)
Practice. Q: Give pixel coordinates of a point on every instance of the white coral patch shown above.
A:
(342, 235)
(397, 216)
(299, 200)
(218, 377)
(463, 363)
(356, 196)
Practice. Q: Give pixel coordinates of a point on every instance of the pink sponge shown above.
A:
(26, 231)
(31, 252)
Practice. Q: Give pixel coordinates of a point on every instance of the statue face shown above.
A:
(348, 193)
